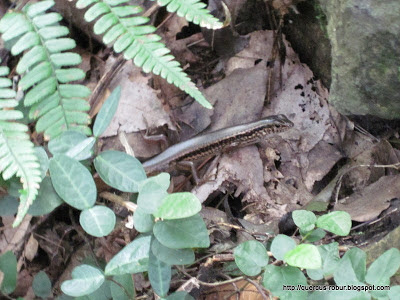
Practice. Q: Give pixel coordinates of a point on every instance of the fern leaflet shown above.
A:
(129, 34)
(193, 10)
(58, 104)
(17, 154)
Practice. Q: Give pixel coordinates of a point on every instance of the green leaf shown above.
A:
(183, 233)
(31, 58)
(163, 179)
(8, 205)
(275, 278)
(36, 75)
(66, 141)
(315, 235)
(384, 267)
(137, 40)
(172, 256)
(102, 293)
(194, 11)
(280, 245)
(72, 182)
(120, 170)
(40, 91)
(337, 222)
(178, 206)
(181, 295)
(39, 8)
(351, 268)
(47, 199)
(341, 294)
(46, 19)
(68, 75)
(60, 44)
(304, 256)
(330, 258)
(151, 195)
(133, 258)
(43, 160)
(315, 274)
(126, 281)
(65, 59)
(97, 221)
(251, 257)
(394, 292)
(83, 150)
(85, 280)
(8, 265)
(142, 221)
(159, 275)
(74, 91)
(107, 112)
(304, 219)
(41, 285)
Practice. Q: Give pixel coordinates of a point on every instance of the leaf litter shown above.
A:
(323, 159)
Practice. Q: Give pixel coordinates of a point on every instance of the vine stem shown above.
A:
(210, 284)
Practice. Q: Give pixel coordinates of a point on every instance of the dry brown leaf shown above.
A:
(233, 292)
(372, 200)
(31, 248)
(138, 99)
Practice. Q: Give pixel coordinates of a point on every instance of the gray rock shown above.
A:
(365, 38)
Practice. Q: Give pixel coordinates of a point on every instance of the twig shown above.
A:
(210, 284)
(394, 166)
(118, 200)
(257, 286)
(103, 83)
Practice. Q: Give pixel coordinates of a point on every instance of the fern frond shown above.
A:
(193, 10)
(46, 69)
(129, 34)
(17, 154)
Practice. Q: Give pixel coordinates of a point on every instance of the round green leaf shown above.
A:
(97, 221)
(120, 170)
(67, 140)
(85, 280)
(8, 205)
(394, 292)
(182, 233)
(133, 258)
(163, 179)
(41, 285)
(142, 221)
(282, 244)
(304, 256)
(72, 182)
(315, 274)
(304, 219)
(275, 278)
(384, 267)
(47, 199)
(337, 222)
(151, 195)
(250, 257)
(8, 265)
(159, 275)
(181, 295)
(330, 258)
(315, 235)
(107, 112)
(82, 150)
(178, 206)
(127, 283)
(172, 256)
